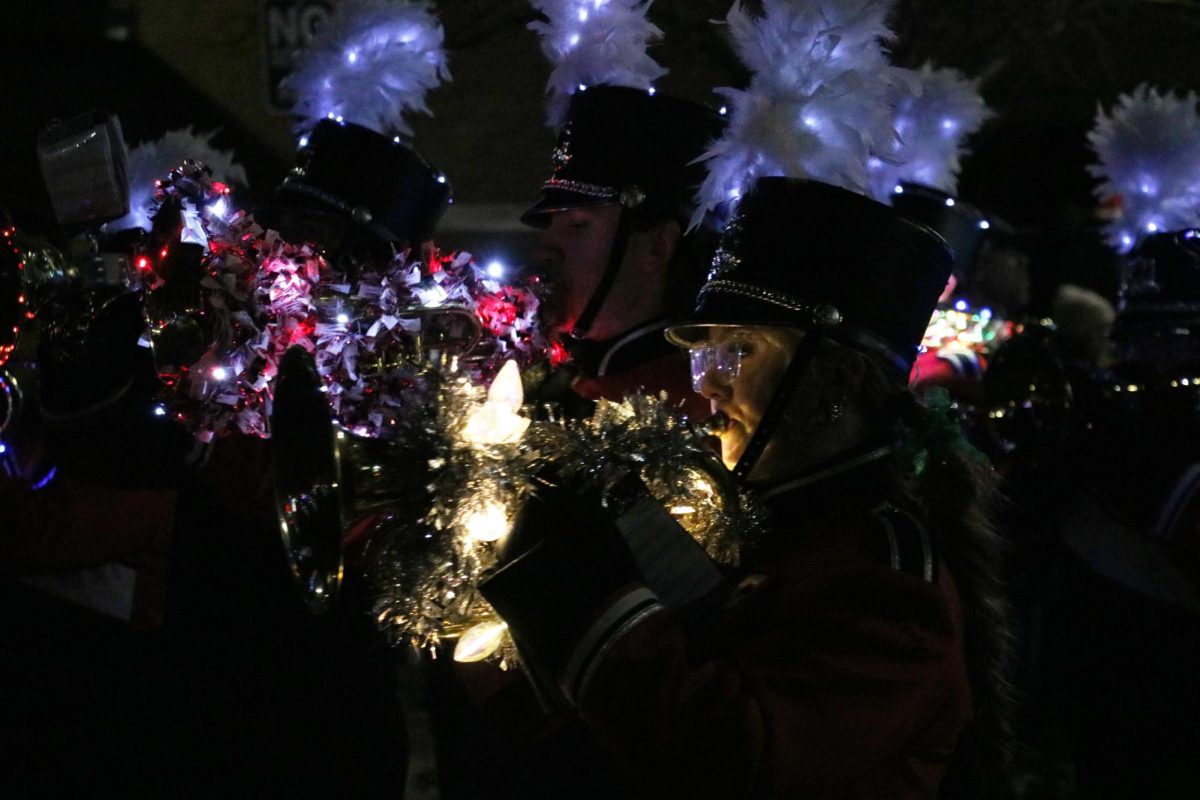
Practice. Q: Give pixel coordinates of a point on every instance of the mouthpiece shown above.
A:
(715, 425)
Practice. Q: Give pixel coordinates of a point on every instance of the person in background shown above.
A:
(615, 249)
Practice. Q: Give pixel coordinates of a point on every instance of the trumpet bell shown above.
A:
(307, 481)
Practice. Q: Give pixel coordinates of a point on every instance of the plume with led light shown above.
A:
(371, 64)
(819, 102)
(150, 161)
(931, 127)
(594, 42)
(428, 571)
(1149, 164)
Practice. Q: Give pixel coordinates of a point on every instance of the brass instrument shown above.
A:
(331, 484)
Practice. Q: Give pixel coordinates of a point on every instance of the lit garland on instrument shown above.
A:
(428, 570)
(260, 294)
(961, 329)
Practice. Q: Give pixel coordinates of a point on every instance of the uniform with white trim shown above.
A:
(840, 664)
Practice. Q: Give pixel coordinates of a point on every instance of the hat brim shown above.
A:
(689, 334)
(556, 200)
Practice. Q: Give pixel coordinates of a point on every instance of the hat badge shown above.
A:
(560, 156)
(726, 259)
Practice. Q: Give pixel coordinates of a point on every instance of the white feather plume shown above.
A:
(594, 42)
(819, 103)
(154, 160)
(932, 127)
(373, 62)
(1149, 154)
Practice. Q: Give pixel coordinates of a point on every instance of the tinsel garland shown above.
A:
(260, 294)
(428, 570)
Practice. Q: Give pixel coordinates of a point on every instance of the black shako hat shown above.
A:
(799, 253)
(627, 146)
(962, 225)
(1158, 317)
(351, 172)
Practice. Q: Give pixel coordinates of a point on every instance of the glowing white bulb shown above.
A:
(812, 123)
(343, 319)
(352, 56)
(574, 40)
(1127, 240)
(961, 305)
(218, 208)
(735, 193)
(3, 448)
(341, 120)
(220, 373)
(583, 15)
(724, 110)
(898, 189)
(304, 141)
(495, 269)
(441, 178)
(984, 224)
(160, 411)
(947, 124)
(949, 202)
(486, 524)
(651, 90)
(583, 87)
(1152, 227)
(479, 642)
(330, 115)
(396, 139)
(496, 420)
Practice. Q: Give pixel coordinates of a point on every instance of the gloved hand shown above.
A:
(564, 563)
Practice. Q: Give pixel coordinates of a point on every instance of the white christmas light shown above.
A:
(343, 319)
(220, 373)
(495, 269)
(441, 178)
(950, 202)
(160, 411)
(304, 141)
(898, 189)
(1152, 227)
(984, 224)
(496, 420)
(352, 57)
(480, 641)
(218, 208)
(486, 524)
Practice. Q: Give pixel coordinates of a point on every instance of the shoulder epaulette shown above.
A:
(903, 542)
(963, 364)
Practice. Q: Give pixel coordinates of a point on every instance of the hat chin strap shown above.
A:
(583, 324)
(779, 401)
